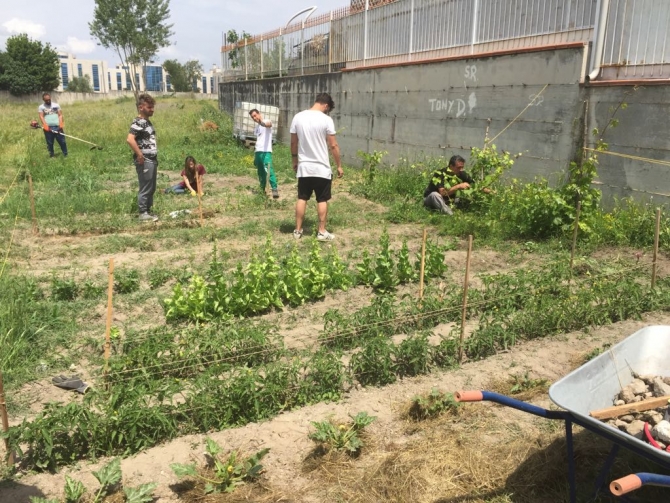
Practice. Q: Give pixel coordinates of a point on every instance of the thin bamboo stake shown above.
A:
(32, 204)
(423, 263)
(574, 234)
(656, 239)
(5, 421)
(108, 327)
(199, 188)
(465, 299)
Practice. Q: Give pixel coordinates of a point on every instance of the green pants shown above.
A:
(263, 163)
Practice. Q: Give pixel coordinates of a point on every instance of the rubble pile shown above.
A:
(643, 388)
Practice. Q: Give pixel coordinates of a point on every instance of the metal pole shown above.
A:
(330, 42)
(281, 50)
(246, 61)
(261, 56)
(365, 31)
(411, 28)
(302, 48)
(465, 300)
(475, 23)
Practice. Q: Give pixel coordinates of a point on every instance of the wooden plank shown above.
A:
(622, 410)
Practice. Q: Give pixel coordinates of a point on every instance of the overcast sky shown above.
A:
(198, 24)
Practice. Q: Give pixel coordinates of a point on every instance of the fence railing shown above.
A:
(373, 32)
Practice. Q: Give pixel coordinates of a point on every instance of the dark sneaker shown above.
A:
(297, 234)
(325, 236)
(275, 194)
(146, 217)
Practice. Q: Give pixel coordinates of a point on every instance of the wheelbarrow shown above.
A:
(593, 386)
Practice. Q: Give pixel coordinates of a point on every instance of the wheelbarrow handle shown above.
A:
(469, 396)
(634, 481)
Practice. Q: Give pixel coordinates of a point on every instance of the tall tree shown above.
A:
(135, 29)
(27, 66)
(178, 79)
(80, 85)
(193, 70)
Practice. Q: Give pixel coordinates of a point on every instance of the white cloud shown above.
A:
(169, 52)
(76, 46)
(16, 25)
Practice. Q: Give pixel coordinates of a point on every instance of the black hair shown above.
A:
(325, 99)
(454, 159)
(253, 110)
(46, 94)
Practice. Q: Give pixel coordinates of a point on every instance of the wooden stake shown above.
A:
(32, 204)
(5, 422)
(465, 299)
(423, 264)
(656, 236)
(627, 408)
(199, 188)
(108, 327)
(574, 235)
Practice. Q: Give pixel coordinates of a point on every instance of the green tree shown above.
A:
(135, 29)
(28, 66)
(193, 70)
(80, 85)
(177, 74)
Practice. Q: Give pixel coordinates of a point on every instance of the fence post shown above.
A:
(656, 239)
(246, 61)
(108, 325)
(365, 31)
(32, 204)
(423, 264)
(465, 300)
(574, 235)
(330, 42)
(261, 56)
(411, 29)
(475, 24)
(5, 421)
(281, 50)
(302, 48)
(198, 183)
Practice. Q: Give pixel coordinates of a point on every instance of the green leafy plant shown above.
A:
(126, 280)
(91, 290)
(342, 436)
(108, 476)
(229, 472)
(406, 273)
(158, 276)
(384, 270)
(74, 490)
(365, 269)
(315, 280)
(64, 289)
(374, 364)
(413, 356)
(371, 162)
(140, 494)
(432, 404)
(523, 382)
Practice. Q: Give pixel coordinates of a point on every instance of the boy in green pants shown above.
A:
(263, 156)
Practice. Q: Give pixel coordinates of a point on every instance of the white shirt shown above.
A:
(312, 128)
(263, 138)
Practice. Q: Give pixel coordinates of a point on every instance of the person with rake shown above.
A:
(51, 116)
(263, 155)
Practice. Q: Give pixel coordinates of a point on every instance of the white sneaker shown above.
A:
(297, 234)
(146, 217)
(325, 236)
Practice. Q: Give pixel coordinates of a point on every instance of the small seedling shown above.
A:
(342, 437)
(64, 289)
(432, 404)
(523, 382)
(126, 281)
(229, 472)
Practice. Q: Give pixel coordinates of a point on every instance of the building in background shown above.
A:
(104, 79)
(71, 67)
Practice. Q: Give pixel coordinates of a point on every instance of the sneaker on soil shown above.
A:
(146, 217)
(325, 236)
(275, 194)
(297, 234)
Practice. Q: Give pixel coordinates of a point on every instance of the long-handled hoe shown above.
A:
(35, 125)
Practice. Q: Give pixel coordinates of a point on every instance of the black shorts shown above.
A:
(320, 187)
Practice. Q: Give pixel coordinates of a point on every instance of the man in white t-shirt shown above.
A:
(51, 116)
(312, 134)
(263, 156)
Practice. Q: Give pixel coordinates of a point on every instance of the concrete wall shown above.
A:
(443, 108)
(66, 98)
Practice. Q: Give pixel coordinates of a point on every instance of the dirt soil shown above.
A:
(286, 435)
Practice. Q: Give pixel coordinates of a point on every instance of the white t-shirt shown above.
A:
(312, 128)
(50, 113)
(263, 138)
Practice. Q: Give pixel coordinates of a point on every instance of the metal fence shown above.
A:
(636, 42)
(373, 32)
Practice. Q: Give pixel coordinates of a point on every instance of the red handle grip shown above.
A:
(469, 396)
(625, 485)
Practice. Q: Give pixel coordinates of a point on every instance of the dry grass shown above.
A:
(485, 453)
(191, 491)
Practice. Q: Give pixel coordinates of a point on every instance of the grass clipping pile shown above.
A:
(642, 409)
